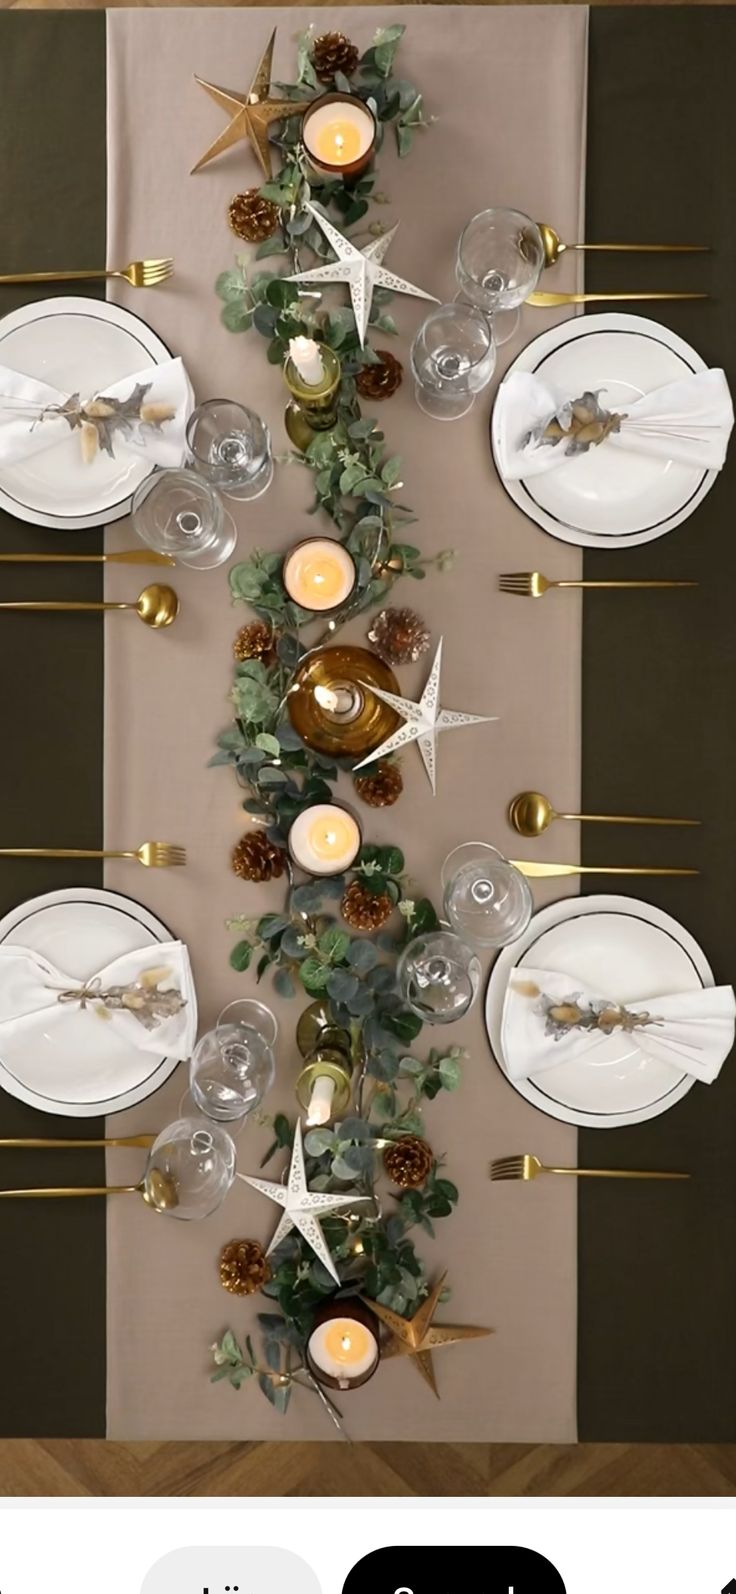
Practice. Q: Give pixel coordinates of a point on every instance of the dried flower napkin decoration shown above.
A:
(145, 413)
(549, 1018)
(142, 998)
(537, 428)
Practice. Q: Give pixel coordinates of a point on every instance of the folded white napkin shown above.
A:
(146, 998)
(550, 1018)
(689, 421)
(146, 414)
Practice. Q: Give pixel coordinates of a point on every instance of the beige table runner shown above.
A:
(508, 86)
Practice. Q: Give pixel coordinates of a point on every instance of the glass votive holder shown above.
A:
(231, 447)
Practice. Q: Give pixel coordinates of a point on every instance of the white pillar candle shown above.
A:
(319, 574)
(339, 132)
(306, 357)
(344, 1349)
(320, 1101)
(324, 839)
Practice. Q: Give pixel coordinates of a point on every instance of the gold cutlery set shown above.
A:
(157, 605)
(157, 1190)
(554, 248)
(531, 813)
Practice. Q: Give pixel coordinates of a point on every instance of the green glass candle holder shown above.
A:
(311, 409)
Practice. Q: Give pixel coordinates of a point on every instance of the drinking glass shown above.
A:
(177, 512)
(231, 448)
(190, 1168)
(487, 901)
(499, 261)
(438, 977)
(233, 1065)
(452, 357)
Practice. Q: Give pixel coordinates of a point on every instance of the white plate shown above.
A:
(608, 498)
(616, 944)
(80, 930)
(76, 345)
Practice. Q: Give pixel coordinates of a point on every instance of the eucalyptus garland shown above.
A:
(307, 947)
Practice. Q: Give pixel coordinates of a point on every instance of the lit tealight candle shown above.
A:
(324, 839)
(343, 1351)
(308, 361)
(319, 574)
(339, 133)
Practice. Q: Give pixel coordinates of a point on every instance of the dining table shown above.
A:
(611, 1302)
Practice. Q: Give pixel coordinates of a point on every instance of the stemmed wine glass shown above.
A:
(487, 901)
(452, 358)
(190, 1168)
(500, 258)
(233, 1065)
(438, 977)
(177, 512)
(231, 447)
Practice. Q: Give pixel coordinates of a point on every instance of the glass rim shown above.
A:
(183, 473)
(206, 407)
(474, 313)
(253, 1003)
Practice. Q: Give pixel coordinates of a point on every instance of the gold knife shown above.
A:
(548, 301)
(132, 556)
(551, 871)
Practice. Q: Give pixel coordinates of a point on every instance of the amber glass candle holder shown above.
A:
(318, 114)
(311, 409)
(331, 705)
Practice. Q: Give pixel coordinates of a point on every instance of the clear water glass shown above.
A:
(190, 1169)
(438, 977)
(233, 1065)
(499, 262)
(231, 447)
(487, 901)
(177, 512)
(452, 358)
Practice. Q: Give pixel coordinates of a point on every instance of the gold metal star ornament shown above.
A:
(418, 1336)
(252, 115)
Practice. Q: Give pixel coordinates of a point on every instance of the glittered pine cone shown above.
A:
(380, 381)
(334, 52)
(380, 787)
(252, 217)
(399, 636)
(257, 858)
(363, 909)
(255, 641)
(243, 1267)
(408, 1161)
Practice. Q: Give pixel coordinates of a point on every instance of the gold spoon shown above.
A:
(554, 247)
(531, 813)
(157, 1189)
(157, 606)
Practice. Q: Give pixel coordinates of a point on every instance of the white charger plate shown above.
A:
(76, 345)
(607, 498)
(81, 930)
(616, 944)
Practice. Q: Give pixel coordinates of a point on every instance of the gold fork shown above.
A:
(556, 871)
(131, 556)
(528, 1167)
(142, 1141)
(140, 274)
(549, 301)
(532, 584)
(152, 854)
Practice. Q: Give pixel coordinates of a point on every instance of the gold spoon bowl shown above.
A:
(157, 606)
(531, 813)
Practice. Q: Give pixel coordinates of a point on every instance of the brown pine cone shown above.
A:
(408, 1161)
(363, 910)
(331, 53)
(399, 636)
(380, 381)
(243, 1267)
(254, 641)
(257, 858)
(380, 787)
(252, 217)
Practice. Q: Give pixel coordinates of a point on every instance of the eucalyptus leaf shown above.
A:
(283, 983)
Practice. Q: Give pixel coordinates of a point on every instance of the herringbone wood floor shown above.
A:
(93, 1468)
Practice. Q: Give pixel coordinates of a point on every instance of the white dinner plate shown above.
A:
(628, 950)
(609, 498)
(77, 346)
(80, 930)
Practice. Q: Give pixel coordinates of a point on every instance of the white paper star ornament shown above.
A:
(423, 721)
(302, 1207)
(361, 269)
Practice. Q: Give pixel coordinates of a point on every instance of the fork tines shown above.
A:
(154, 271)
(169, 856)
(518, 581)
(508, 1167)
